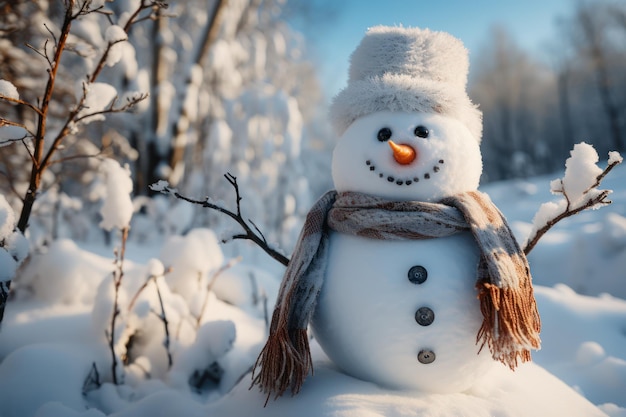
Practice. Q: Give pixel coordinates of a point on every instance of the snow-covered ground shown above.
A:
(56, 359)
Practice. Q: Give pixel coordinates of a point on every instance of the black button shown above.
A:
(426, 356)
(424, 316)
(418, 274)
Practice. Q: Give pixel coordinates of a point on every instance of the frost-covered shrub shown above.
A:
(193, 259)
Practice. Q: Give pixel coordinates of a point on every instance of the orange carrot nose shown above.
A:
(403, 154)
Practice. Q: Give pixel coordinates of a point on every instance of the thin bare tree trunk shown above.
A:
(209, 34)
(602, 76)
(564, 109)
(38, 155)
(153, 156)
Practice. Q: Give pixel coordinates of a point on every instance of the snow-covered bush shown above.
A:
(13, 250)
(153, 319)
(13, 245)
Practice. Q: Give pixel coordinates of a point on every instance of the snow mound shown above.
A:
(529, 391)
(30, 376)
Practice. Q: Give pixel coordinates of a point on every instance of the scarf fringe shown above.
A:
(511, 323)
(284, 362)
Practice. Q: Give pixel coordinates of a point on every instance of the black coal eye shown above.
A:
(384, 134)
(421, 131)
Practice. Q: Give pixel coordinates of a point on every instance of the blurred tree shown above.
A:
(533, 113)
(510, 88)
(591, 32)
(230, 90)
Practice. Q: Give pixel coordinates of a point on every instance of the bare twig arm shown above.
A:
(534, 239)
(249, 231)
(599, 199)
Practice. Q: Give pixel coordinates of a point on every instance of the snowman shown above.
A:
(407, 275)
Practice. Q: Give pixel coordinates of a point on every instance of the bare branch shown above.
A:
(249, 234)
(21, 102)
(6, 141)
(30, 153)
(38, 52)
(36, 170)
(163, 318)
(233, 181)
(209, 287)
(54, 38)
(131, 305)
(5, 287)
(92, 381)
(75, 157)
(118, 274)
(5, 122)
(11, 182)
(84, 9)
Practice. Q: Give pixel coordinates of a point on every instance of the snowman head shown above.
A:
(404, 110)
(407, 156)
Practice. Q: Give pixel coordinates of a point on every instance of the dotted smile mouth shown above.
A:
(404, 181)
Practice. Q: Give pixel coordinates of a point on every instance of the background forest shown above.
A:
(210, 87)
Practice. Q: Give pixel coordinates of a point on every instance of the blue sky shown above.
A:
(530, 22)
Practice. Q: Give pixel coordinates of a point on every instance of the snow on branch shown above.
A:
(579, 188)
(8, 92)
(99, 99)
(251, 231)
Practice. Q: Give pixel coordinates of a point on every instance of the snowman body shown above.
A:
(404, 313)
(379, 322)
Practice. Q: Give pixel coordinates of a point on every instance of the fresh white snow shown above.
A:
(50, 338)
(117, 209)
(8, 90)
(98, 97)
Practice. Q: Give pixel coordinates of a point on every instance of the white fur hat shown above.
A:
(407, 69)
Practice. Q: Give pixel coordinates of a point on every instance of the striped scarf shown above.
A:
(511, 322)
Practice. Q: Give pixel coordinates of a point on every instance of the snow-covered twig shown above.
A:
(579, 190)
(112, 109)
(250, 234)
